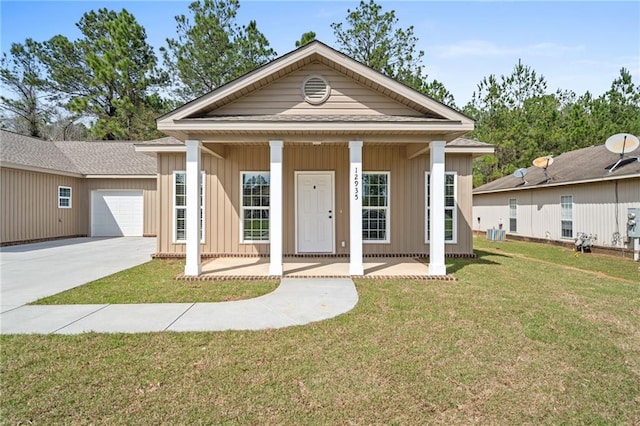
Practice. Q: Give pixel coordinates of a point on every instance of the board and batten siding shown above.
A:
(148, 186)
(222, 199)
(596, 210)
(30, 206)
(284, 96)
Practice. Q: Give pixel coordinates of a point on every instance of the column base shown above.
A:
(435, 269)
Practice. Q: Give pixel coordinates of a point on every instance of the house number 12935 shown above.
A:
(356, 184)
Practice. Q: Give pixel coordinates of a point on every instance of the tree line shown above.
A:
(110, 83)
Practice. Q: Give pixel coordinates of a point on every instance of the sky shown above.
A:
(576, 45)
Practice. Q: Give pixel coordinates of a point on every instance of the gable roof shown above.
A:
(76, 158)
(584, 165)
(198, 116)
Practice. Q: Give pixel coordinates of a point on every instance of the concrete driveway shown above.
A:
(29, 272)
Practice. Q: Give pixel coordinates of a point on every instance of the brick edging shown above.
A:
(40, 240)
(323, 256)
(182, 277)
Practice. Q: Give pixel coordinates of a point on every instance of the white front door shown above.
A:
(315, 212)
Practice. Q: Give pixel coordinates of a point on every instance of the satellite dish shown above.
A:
(622, 143)
(543, 163)
(520, 173)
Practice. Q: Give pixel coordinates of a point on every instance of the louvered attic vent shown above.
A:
(316, 89)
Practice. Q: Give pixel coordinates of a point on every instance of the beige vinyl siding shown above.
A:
(30, 206)
(284, 96)
(595, 210)
(222, 199)
(149, 193)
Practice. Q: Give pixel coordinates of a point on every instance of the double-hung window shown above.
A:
(254, 217)
(513, 217)
(450, 207)
(180, 207)
(375, 207)
(566, 216)
(64, 197)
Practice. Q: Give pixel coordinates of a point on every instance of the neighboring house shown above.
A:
(74, 188)
(579, 196)
(315, 154)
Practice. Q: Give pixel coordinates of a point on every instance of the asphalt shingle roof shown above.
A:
(584, 164)
(82, 157)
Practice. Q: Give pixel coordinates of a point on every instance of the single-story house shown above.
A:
(315, 154)
(577, 194)
(62, 189)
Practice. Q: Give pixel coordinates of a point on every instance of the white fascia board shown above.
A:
(354, 127)
(549, 185)
(171, 148)
(10, 165)
(475, 150)
(121, 176)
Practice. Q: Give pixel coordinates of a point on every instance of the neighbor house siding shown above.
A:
(30, 206)
(149, 193)
(284, 97)
(595, 209)
(222, 199)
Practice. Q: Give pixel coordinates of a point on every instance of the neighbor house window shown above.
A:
(180, 207)
(566, 216)
(64, 197)
(513, 217)
(450, 207)
(375, 207)
(255, 207)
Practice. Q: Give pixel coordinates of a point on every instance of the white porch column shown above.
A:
(355, 209)
(275, 209)
(436, 231)
(192, 266)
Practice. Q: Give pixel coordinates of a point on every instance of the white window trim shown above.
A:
(454, 239)
(387, 240)
(70, 197)
(513, 214)
(241, 217)
(563, 220)
(202, 208)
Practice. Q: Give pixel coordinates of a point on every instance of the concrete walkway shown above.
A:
(295, 302)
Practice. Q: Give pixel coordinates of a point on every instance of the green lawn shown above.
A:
(525, 336)
(153, 282)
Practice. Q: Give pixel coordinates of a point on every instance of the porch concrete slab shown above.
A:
(394, 266)
(131, 318)
(315, 267)
(237, 266)
(44, 319)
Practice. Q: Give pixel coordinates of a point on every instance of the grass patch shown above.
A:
(516, 340)
(153, 282)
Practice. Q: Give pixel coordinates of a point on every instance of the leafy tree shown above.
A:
(212, 49)
(22, 75)
(375, 39)
(306, 38)
(110, 74)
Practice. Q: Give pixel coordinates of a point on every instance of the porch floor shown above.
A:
(314, 267)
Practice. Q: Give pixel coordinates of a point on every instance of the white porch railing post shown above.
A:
(436, 240)
(356, 266)
(192, 266)
(275, 209)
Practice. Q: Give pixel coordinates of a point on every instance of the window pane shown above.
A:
(64, 202)
(448, 225)
(567, 229)
(65, 192)
(256, 224)
(374, 224)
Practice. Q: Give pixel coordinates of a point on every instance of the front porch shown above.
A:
(231, 268)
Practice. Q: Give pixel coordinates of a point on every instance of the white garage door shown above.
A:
(116, 213)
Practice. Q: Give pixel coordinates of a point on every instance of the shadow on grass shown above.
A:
(481, 259)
